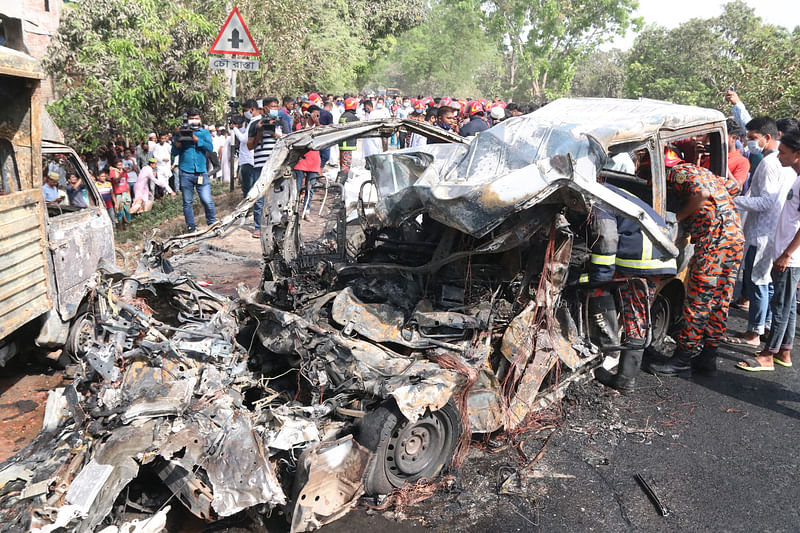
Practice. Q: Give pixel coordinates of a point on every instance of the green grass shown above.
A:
(164, 210)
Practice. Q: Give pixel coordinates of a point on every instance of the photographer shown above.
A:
(261, 137)
(191, 143)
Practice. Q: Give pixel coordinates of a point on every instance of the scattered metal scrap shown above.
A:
(651, 493)
(448, 307)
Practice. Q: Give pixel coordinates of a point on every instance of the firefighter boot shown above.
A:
(624, 379)
(603, 325)
(706, 362)
(679, 363)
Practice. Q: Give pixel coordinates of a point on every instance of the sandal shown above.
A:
(751, 364)
(781, 362)
(739, 341)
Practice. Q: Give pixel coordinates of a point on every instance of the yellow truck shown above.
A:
(48, 250)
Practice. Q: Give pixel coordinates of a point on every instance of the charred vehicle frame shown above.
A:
(434, 298)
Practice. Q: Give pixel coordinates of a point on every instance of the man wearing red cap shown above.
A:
(712, 221)
(476, 122)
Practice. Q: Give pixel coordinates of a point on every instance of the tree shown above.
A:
(302, 51)
(600, 74)
(543, 39)
(449, 54)
(696, 62)
(685, 65)
(131, 66)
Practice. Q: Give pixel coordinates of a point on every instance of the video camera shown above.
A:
(233, 116)
(186, 131)
(268, 125)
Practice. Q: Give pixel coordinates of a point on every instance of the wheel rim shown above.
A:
(418, 450)
(84, 335)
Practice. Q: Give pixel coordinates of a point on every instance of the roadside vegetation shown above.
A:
(134, 65)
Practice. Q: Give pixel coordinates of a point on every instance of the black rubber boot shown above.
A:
(679, 363)
(706, 362)
(603, 325)
(625, 378)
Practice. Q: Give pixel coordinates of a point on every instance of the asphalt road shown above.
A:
(721, 454)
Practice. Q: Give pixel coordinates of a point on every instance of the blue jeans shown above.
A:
(784, 309)
(324, 157)
(247, 177)
(759, 314)
(310, 179)
(189, 182)
(259, 205)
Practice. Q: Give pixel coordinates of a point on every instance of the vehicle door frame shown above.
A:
(88, 221)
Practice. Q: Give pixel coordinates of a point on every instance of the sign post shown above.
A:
(234, 39)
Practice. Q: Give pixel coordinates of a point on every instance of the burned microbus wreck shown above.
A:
(430, 298)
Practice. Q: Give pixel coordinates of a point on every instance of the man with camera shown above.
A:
(192, 142)
(261, 137)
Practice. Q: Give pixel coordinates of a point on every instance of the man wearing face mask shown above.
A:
(769, 184)
(261, 137)
(192, 169)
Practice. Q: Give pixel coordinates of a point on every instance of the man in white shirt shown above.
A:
(375, 145)
(764, 199)
(785, 250)
(246, 168)
(163, 154)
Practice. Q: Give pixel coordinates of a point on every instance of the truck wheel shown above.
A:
(82, 333)
(403, 451)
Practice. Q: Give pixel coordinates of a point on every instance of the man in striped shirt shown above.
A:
(261, 137)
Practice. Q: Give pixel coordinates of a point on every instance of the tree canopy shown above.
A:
(134, 65)
(130, 66)
(696, 62)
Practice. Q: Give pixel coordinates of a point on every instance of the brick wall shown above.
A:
(40, 23)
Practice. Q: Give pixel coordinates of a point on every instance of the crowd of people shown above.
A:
(132, 176)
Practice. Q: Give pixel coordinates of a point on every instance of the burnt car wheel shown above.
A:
(661, 319)
(405, 452)
(82, 334)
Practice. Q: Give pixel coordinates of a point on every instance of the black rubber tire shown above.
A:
(661, 320)
(81, 326)
(405, 452)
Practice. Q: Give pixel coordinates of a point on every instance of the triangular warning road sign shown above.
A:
(234, 38)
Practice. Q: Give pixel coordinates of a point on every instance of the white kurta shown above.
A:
(763, 203)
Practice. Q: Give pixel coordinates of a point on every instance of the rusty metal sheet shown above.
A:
(378, 322)
(24, 271)
(80, 241)
(20, 64)
(485, 403)
(328, 482)
(525, 398)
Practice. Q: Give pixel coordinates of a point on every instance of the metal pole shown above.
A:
(234, 143)
(231, 148)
